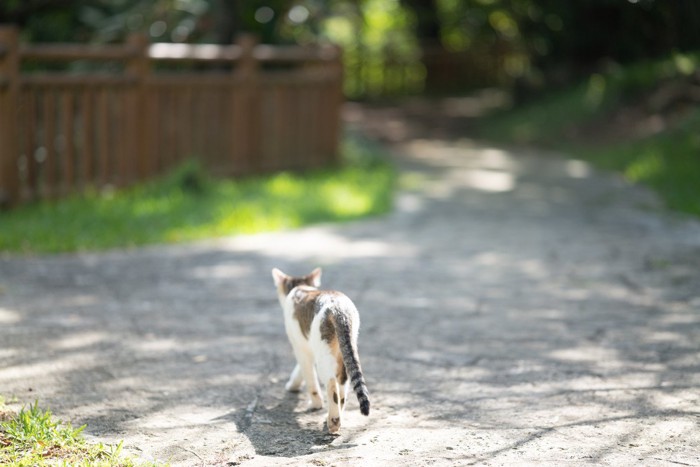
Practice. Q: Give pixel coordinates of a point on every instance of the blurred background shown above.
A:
(615, 83)
(398, 46)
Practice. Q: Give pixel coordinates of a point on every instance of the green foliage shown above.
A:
(546, 121)
(550, 40)
(668, 162)
(188, 205)
(33, 437)
(33, 426)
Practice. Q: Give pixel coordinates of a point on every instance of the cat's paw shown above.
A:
(315, 402)
(292, 386)
(333, 425)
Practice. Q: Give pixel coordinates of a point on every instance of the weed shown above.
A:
(32, 437)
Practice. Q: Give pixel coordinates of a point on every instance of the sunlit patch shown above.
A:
(490, 180)
(345, 201)
(490, 259)
(493, 158)
(317, 242)
(577, 169)
(645, 167)
(154, 345)
(9, 316)
(409, 203)
(202, 51)
(586, 353)
(42, 369)
(663, 336)
(220, 271)
(79, 300)
(80, 340)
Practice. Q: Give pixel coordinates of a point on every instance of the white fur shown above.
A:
(315, 358)
(305, 369)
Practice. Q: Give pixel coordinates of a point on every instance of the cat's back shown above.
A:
(307, 303)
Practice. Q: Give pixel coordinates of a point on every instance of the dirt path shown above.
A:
(517, 308)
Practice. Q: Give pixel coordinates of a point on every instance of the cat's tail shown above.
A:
(352, 362)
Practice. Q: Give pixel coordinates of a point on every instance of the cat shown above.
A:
(322, 326)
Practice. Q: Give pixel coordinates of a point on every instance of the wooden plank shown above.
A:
(167, 133)
(140, 68)
(88, 137)
(152, 120)
(102, 136)
(122, 137)
(73, 52)
(303, 112)
(9, 97)
(30, 143)
(68, 141)
(88, 79)
(50, 163)
(186, 121)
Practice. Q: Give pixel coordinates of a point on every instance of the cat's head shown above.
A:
(286, 283)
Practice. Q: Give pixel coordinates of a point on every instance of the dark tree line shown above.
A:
(573, 35)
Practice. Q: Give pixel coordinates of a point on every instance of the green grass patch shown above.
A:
(545, 121)
(33, 437)
(188, 205)
(668, 162)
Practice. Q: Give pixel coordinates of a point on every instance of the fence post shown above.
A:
(9, 100)
(246, 117)
(338, 98)
(139, 66)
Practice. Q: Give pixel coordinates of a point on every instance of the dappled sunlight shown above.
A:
(505, 319)
(577, 169)
(79, 340)
(608, 358)
(486, 180)
(316, 242)
(79, 300)
(9, 316)
(52, 367)
(496, 159)
(221, 271)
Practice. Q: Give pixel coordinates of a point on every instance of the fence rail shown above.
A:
(266, 109)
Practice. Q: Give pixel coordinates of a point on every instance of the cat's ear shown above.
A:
(315, 277)
(278, 276)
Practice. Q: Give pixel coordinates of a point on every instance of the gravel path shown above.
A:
(516, 308)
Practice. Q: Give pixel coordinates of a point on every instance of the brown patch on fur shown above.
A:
(328, 328)
(328, 334)
(335, 398)
(305, 308)
(342, 375)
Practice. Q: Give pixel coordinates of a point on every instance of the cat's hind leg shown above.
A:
(308, 371)
(295, 379)
(334, 409)
(327, 365)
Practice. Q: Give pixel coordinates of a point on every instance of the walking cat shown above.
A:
(322, 326)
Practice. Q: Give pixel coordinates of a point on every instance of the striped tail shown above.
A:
(352, 361)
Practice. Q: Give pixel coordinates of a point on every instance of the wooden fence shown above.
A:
(240, 109)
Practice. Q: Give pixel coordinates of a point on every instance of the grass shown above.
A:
(32, 437)
(668, 161)
(188, 205)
